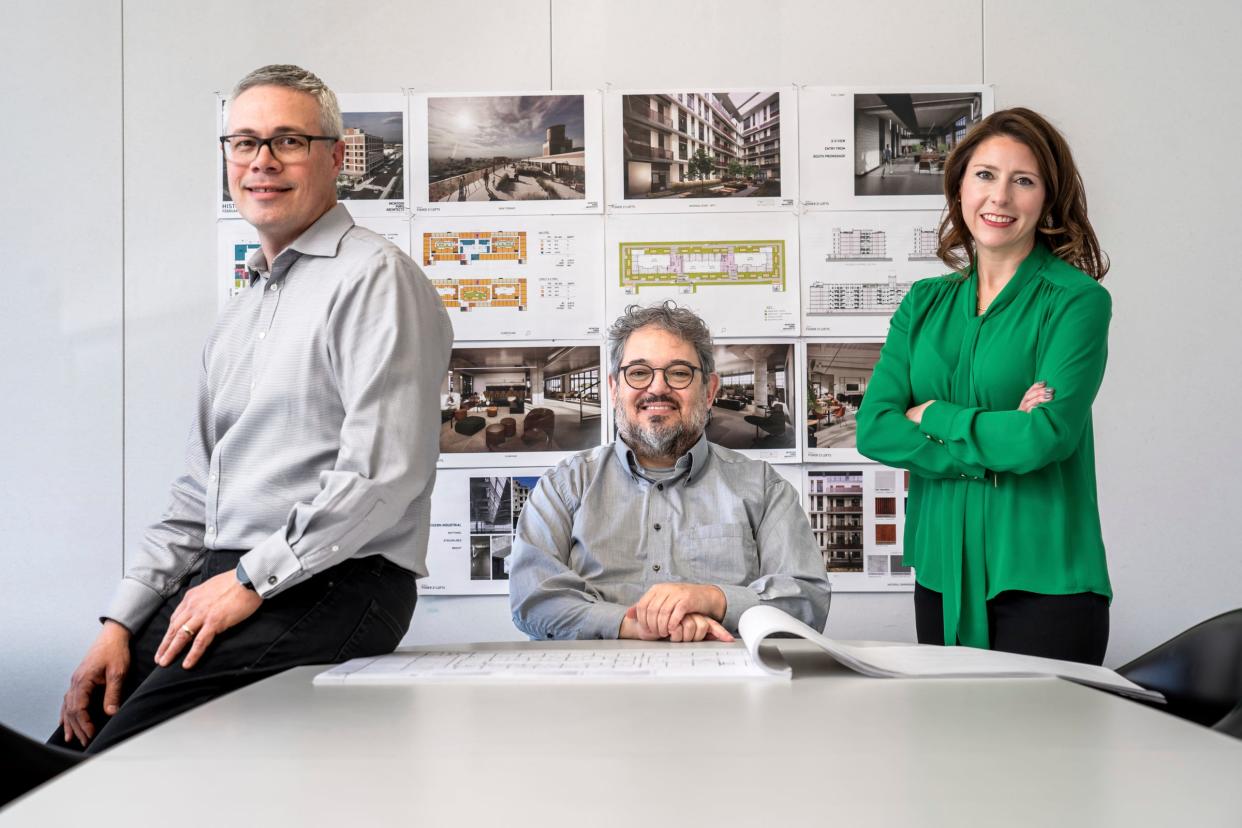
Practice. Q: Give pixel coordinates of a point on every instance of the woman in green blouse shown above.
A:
(984, 390)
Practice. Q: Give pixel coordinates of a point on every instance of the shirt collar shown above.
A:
(323, 238)
(690, 464)
(1034, 262)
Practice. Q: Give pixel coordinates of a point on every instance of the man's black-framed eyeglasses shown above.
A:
(640, 375)
(288, 146)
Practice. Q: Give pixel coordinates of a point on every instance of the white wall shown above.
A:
(109, 237)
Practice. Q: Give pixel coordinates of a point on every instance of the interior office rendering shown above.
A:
(522, 398)
(111, 271)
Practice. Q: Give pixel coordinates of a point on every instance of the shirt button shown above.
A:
(211, 530)
(336, 548)
(262, 334)
(657, 527)
(271, 579)
(212, 477)
(660, 486)
(275, 287)
(655, 567)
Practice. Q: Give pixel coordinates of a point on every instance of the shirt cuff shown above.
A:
(272, 565)
(133, 604)
(738, 599)
(601, 621)
(937, 420)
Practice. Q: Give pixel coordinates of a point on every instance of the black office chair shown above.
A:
(1231, 725)
(26, 764)
(1198, 671)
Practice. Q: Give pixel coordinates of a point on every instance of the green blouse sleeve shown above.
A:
(1071, 362)
(884, 433)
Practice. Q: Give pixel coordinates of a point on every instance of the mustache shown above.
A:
(657, 398)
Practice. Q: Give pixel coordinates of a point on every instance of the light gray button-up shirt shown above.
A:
(596, 534)
(315, 434)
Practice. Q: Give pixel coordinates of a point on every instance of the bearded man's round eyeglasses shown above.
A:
(639, 375)
(242, 149)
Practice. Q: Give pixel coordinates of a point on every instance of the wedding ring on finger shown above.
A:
(189, 633)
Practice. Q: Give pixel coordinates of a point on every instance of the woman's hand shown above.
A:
(915, 415)
(1036, 394)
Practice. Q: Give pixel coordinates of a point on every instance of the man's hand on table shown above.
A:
(207, 610)
(677, 612)
(665, 605)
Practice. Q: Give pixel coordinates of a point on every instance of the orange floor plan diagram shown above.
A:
(469, 294)
(468, 248)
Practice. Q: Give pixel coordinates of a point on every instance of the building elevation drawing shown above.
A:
(469, 248)
(469, 294)
(695, 264)
(827, 298)
(926, 242)
(859, 246)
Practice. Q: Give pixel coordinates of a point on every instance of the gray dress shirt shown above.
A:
(596, 534)
(315, 434)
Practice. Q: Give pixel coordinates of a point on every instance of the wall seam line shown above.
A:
(124, 455)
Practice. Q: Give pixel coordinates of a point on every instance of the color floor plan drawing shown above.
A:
(468, 294)
(468, 248)
(695, 264)
(240, 275)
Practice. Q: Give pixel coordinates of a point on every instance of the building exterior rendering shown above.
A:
(664, 133)
(363, 152)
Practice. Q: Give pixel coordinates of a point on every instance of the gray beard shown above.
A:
(660, 440)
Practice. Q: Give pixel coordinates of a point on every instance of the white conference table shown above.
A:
(828, 747)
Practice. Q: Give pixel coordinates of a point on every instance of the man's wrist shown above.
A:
(113, 627)
(720, 603)
(243, 578)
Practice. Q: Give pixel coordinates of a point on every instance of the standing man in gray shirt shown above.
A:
(300, 524)
(661, 534)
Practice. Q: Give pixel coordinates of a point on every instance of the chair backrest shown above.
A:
(542, 418)
(1199, 671)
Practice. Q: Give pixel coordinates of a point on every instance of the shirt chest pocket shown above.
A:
(722, 553)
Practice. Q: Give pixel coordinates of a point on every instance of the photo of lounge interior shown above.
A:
(753, 408)
(837, 375)
(901, 140)
(521, 399)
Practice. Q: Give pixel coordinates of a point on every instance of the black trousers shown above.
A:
(1069, 627)
(361, 607)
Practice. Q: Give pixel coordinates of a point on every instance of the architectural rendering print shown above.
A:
(374, 166)
(901, 140)
(702, 145)
(506, 148)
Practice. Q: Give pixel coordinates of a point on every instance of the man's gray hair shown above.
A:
(300, 80)
(681, 322)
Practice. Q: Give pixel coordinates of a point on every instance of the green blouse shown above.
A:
(999, 498)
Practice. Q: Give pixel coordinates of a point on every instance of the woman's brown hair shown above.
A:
(1063, 225)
